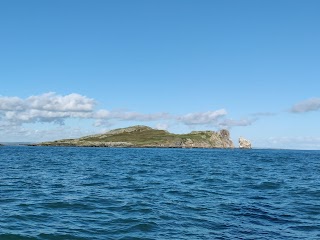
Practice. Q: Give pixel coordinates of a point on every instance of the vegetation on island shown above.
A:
(143, 136)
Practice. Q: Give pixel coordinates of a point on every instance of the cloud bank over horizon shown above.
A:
(53, 108)
(50, 116)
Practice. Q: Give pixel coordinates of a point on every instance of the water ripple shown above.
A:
(105, 193)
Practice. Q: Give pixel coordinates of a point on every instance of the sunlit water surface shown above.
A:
(105, 193)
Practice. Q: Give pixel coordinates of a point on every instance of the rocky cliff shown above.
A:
(143, 136)
(244, 143)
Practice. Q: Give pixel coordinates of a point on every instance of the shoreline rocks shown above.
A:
(244, 143)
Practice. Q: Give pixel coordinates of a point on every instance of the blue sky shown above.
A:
(71, 68)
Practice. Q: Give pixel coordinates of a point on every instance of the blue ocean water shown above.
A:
(119, 193)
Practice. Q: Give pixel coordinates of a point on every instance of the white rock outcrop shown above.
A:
(244, 143)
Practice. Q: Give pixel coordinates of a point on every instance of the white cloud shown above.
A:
(48, 107)
(100, 114)
(103, 123)
(228, 123)
(49, 102)
(11, 104)
(134, 116)
(309, 105)
(51, 107)
(162, 126)
(301, 142)
(68, 103)
(203, 118)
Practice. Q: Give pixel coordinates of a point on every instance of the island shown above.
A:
(244, 143)
(147, 137)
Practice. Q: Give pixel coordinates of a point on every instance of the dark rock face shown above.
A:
(142, 136)
(225, 133)
(226, 141)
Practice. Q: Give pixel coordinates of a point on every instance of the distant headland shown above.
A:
(147, 137)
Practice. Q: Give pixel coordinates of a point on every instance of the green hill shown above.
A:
(143, 136)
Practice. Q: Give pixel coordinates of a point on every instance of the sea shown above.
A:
(140, 193)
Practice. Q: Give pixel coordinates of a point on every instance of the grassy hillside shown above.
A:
(142, 136)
